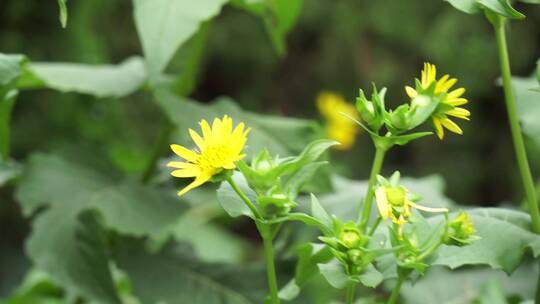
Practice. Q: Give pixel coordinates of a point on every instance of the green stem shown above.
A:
(7, 101)
(519, 146)
(374, 227)
(270, 268)
(159, 149)
(244, 198)
(351, 289)
(365, 212)
(515, 128)
(395, 292)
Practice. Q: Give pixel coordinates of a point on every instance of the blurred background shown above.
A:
(339, 46)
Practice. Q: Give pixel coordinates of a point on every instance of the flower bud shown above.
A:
(461, 230)
(350, 236)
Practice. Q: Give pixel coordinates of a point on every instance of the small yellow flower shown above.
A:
(218, 149)
(339, 127)
(393, 203)
(450, 103)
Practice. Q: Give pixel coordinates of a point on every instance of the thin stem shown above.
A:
(515, 128)
(159, 148)
(270, 269)
(351, 290)
(395, 292)
(365, 212)
(374, 227)
(244, 198)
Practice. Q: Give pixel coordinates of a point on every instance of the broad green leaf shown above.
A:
(528, 103)
(36, 288)
(63, 12)
(126, 207)
(8, 171)
(98, 80)
(318, 212)
(279, 16)
(174, 276)
(231, 202)
(281, 136)
(10, 68)
(504, 239)
(444, 286)
(297, 181)
(164, 25)
(71, 246)
(500, 7)
(334, 273)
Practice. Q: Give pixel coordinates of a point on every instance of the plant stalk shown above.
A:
(244, 198)
(395, 292)
(270, 268)
(515, 128)
(365, 212)
(351, 290)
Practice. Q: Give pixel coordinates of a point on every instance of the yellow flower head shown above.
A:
(339, 127)
(449, 104)
(393, 203)
(218, 149)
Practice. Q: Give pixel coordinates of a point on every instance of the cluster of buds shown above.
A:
(461, 230)
(348, 245)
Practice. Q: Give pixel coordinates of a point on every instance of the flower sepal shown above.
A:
(373, 111)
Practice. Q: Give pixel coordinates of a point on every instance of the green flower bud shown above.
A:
(355, 256)
(461, 230)
(350, 236)
(399, 118)
(276, 204)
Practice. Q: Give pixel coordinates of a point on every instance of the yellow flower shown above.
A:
(449, 104)
(339, 127)
(218, 149)
(393, 203)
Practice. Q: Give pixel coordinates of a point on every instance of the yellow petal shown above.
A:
(452, 126)
(197, 139)
(411, 92)
(456, 93)
(459, 113)
(206, 131)
(438, 128)
(196, 183)
(191, 172)
(457, 101)
(185, 153)
(382, 202)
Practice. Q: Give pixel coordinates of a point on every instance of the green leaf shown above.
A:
(98, 80)
(9, 170)
(296, 181)
(334, 273)
(71, 246)
(281, 136)
(319, 213)
(10, 68)
(63, 12)
(371, 277)
(467, 284)
(311, 153)
(500, 7)
(279, 16)
(174, 276)
(164, 25)
(231, 202)
(504, 234)
(528, 104)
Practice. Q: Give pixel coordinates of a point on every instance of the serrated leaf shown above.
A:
(164, 25)
(500, 7)
(174, 276)
(98, 80)
(502, 245)
(70, 245)
(528, 104)
(231, 202)
(10, 67)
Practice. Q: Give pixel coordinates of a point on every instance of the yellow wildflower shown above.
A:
(449, 104)
(339, 127)
(393, 203)
(218, 149)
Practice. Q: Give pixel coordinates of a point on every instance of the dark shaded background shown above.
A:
(336, 45)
